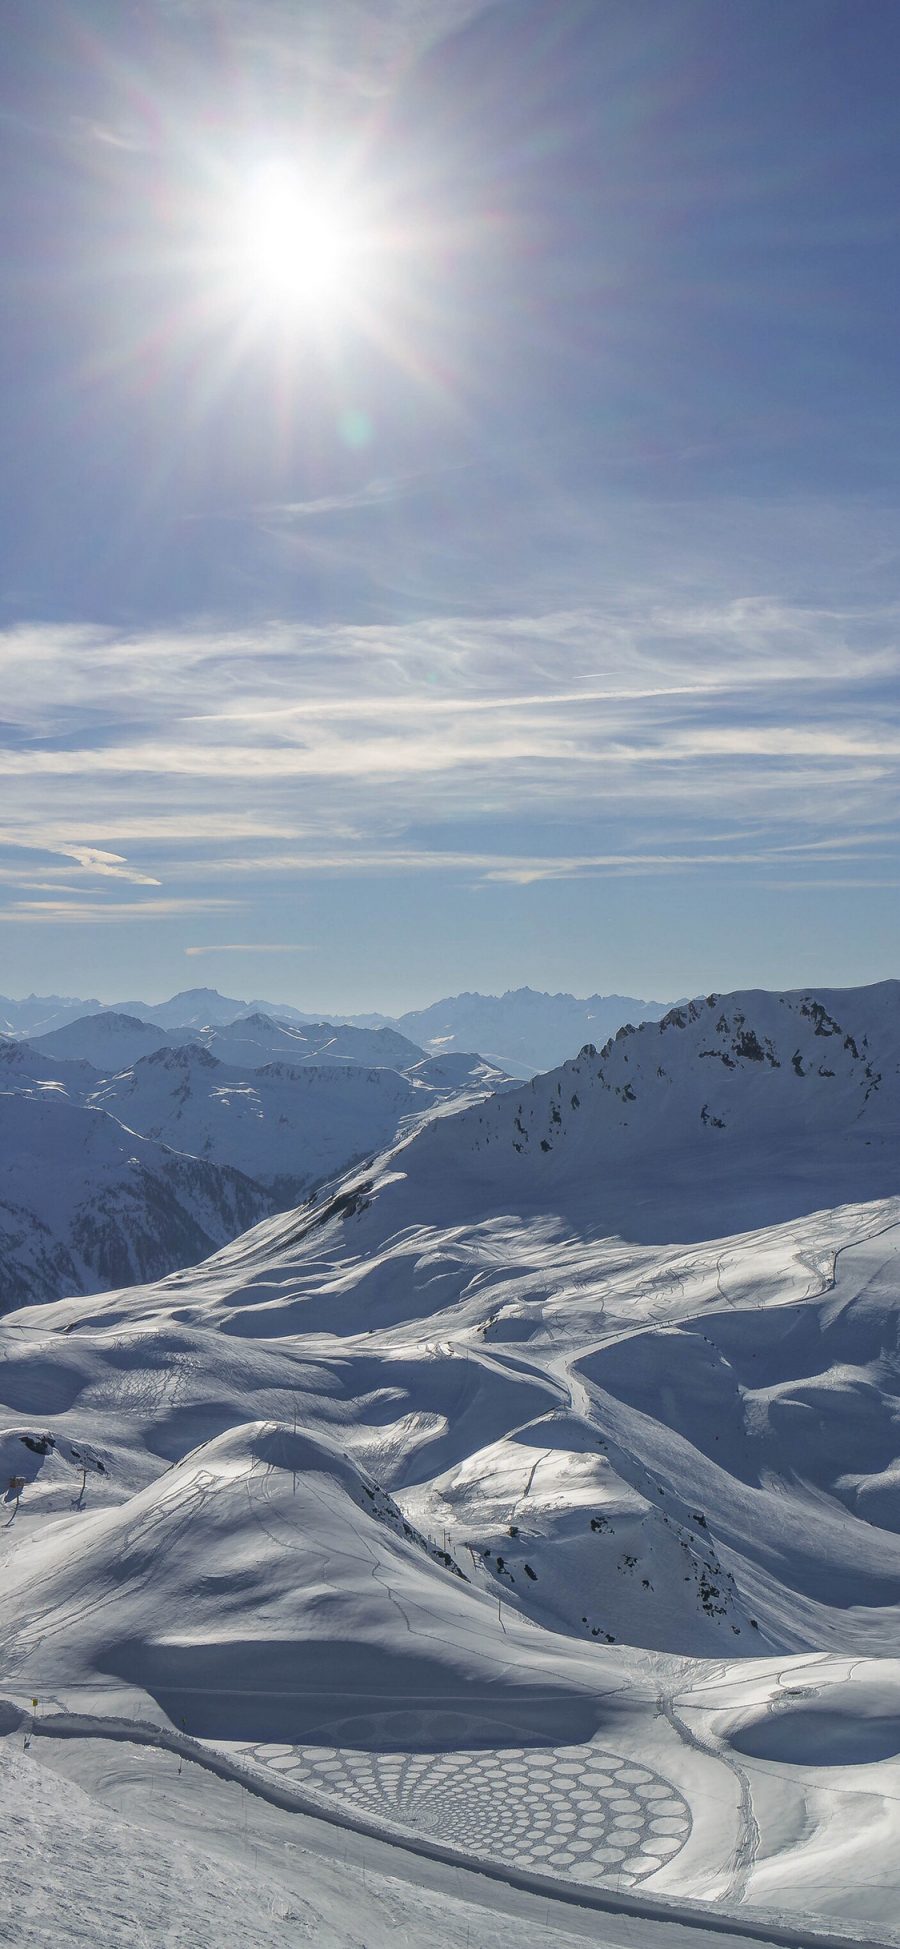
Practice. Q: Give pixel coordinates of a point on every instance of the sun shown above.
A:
(297, 243)
(308, 260)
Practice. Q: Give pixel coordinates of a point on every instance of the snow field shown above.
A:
(586, 1815)
(469, 1519)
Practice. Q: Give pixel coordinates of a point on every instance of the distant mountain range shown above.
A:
(192, 1008)
(131, 1148)
(128, 1151)
(523, 1031)
(114, 1038)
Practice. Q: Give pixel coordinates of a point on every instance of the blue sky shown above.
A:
(525, 608)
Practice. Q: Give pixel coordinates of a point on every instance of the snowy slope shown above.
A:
(485, 1506)
(115, 1844)
(23, 1068)
(85, 1203)
(755, 1105)
(286, 1125)
(256, 1039)
(286, 1594)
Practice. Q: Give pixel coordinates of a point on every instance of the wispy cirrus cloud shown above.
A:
(498, 868)
(37, 855)
(374, 493)
(211, 756)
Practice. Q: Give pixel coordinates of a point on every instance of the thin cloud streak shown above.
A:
(24, 911)
(662, 721)
(252, 947)
(375, 493)
(497, 867)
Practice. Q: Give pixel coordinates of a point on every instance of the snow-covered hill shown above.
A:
(436, 1590)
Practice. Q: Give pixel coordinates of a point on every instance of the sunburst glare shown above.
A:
(296, 243)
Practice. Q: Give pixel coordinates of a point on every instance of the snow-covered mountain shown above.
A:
(286, 1124)
(22, 1067)
(770, 1097)
(107, 1040)
(283, 1127)
(255, 1039)
(571, 1559)
(524, 1031)
(191, 1008)
(201, 1008)
(86, 1204)
(112, 1040)
(36, 1014)
(490, 1517)
(751, 1106)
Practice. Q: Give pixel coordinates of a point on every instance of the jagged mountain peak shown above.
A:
(729, 1111)
(731, 1062)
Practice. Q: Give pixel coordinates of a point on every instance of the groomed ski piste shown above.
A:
(448, 1563)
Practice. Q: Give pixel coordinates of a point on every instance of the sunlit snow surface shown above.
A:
(430, 1539)
(571, 1811)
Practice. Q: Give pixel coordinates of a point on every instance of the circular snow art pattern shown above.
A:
(572, 1811)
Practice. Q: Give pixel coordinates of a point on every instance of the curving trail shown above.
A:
(404, 1853)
